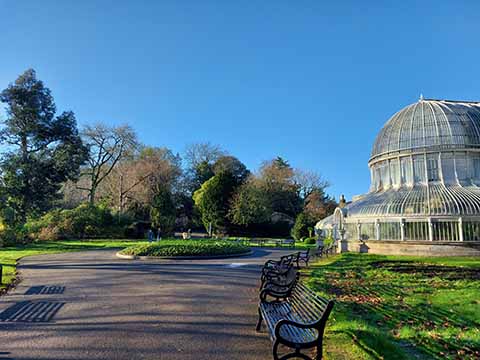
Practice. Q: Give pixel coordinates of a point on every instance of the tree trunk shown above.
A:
(91, 196)
(26, 184)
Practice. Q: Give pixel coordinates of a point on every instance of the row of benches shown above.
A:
(295, 316)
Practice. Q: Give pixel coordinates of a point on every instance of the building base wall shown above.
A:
(423, 248)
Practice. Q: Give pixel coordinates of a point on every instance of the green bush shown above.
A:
(310, 240)
(137, 230)
(301, 227)
(11, 236)
(328, 241)
(162, 213)
(187, 248)
(85, 221)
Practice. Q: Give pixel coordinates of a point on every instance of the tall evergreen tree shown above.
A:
(43, 150)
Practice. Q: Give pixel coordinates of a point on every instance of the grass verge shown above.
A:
(398, 307)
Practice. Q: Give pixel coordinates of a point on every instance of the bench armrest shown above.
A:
(271, 262)
(277, 281)
(274, 271)
(277, 293)
(301, 325)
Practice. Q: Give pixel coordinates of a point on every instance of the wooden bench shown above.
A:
(295, 317)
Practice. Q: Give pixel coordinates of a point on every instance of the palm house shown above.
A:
(425, 185)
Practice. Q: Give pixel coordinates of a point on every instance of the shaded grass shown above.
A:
(398, 307)
(10, 255)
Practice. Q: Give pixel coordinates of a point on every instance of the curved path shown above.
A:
(92, 305)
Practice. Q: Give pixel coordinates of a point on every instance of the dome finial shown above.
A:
(421, 97)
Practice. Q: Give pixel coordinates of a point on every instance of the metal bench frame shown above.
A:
(309, 301)
(303, 256)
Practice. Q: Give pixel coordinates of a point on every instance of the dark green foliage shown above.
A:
(232, 166)
(249, 206)
(162, 213)
(213, 199)
(280, 229)
(85, 221)
(11, 236)
(137, 230)
(205, 170)
(201, 173)
(281, 163)
(286, 201)
(302, 223)
(277, 182)
(187, 248)
(44, 150)
(310, 240)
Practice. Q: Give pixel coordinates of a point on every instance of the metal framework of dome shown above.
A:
(425, 176)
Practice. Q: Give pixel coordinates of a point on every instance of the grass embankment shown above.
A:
(400, 307)
(10, 255)
(187, 248)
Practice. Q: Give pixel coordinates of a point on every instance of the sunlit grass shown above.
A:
(397, 307)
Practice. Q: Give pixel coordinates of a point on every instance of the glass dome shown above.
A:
(431, 141)
(425, 177)
(430, 124)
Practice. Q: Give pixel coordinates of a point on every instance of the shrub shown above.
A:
(328, 241)
(310, 240)
(85, 221)
(301, 227)
(137, 230)
(162, 212)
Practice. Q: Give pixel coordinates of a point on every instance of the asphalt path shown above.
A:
(92, 305)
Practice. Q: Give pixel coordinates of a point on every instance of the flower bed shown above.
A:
(174, 248)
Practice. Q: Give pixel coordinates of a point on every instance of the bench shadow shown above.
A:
(45, 290)
(31, 311)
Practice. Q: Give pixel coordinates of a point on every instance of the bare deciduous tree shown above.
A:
(107, 147)
(137, 180)
(195, 154)
(308, 181)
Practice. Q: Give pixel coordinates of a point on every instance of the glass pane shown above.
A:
(462, 169)
(395, 172)
(406, 171)
(448, 169)
(419, 169)
(432, 168)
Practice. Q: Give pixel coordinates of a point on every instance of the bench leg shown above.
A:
(292, 355)
(262, 282)
(259, 323)
(275, 350)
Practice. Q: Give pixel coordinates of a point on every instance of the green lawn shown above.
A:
(400, 307)
(10, 255)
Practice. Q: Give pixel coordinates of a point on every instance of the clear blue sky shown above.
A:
(311, 81)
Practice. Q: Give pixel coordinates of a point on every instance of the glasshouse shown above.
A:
(425, 178)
